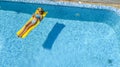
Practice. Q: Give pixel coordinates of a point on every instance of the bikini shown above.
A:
(34, 21)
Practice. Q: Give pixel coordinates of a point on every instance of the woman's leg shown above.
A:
(25, 30)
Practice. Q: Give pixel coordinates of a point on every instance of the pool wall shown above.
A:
(69, 4)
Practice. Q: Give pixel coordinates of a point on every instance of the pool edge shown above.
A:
(73, 4)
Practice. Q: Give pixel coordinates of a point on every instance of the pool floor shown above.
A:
(79, 44)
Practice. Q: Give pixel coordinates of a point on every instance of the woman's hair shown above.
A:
(42, 10)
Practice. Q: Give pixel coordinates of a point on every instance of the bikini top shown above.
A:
(37, 16)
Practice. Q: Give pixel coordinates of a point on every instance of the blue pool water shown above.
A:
(66, 37)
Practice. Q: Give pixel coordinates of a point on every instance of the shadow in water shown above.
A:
(53, 35)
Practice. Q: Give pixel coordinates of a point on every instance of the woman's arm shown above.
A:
(33, 15)
(41, 17)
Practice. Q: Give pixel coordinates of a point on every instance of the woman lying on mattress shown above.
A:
(36, 17)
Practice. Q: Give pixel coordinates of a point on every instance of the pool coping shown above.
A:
(73, 4)
(116, 5)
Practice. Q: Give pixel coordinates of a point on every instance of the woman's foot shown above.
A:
(19, 36)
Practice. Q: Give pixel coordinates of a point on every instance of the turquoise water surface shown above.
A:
(66, 37)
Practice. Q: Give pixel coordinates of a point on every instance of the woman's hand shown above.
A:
(41, 17)
(33, 15)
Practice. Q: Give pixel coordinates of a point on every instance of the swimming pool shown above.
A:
(68, 36)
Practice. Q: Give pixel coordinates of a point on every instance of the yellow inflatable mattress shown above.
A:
(30, 29)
